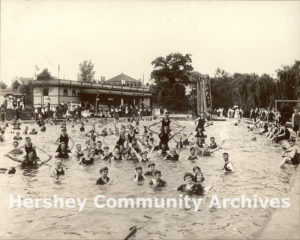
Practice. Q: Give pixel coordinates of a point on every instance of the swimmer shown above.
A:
(65, 138)
(107, 155)
(10, 170)
(190, 188)
(33, 132)
(144, 156)
(104, 179)
(31, 159)
(200, 122)
(198, 175)
(139, 176)
(16, 150)
(193, 156)
(117, 155)
(98, 148)
(157, 181)
(228, 165)
(87, 159)
(78, 152)
(43, 128)
(173, 156)
(82, 127)
(151, 167)
(62, 151)
(25, 130)
(200, 133)
(58, 170)
(17, 137)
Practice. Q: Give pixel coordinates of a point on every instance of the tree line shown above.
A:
(174, 72)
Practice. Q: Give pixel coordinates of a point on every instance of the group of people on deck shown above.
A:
(276, 130)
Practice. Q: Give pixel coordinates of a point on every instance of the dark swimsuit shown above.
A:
(196, 189)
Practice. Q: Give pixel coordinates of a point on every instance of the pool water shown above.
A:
(257, 171)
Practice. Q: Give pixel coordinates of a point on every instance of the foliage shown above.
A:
(3, 85)
(27, 90)
(174, 68)
(45, 75)
(170, 74)
(86, 71)
(15, 85)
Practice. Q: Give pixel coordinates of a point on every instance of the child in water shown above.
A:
(139, 176)
(198, 175)
(193, 156)
(151, 167)
(104, 179)
(78, 151)
(87, 159)
(58, 169)
(17, 137)
(190, 188)
(157, 181)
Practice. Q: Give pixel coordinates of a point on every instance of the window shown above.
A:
(46, 92)
(73, 93)
(65, 92)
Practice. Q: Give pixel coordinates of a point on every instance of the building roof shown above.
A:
(122, 76)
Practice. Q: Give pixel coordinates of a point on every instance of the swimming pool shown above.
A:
(256, 172)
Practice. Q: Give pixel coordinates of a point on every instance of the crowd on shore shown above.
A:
(275, 128)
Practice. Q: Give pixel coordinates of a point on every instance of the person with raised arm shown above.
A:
(144, 156)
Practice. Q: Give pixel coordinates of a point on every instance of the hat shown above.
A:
(187, 175)
(156, 172)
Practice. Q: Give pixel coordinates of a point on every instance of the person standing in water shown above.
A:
(228, 165)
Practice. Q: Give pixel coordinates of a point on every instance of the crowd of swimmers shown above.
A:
(140, 147)
(131, 145)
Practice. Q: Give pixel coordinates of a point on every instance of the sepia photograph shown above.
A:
(150, 119)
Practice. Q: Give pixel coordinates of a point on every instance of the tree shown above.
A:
(86, 71)
(15, 85)
(27, 90)
(175, 67)
(3, 85)
(45, 75)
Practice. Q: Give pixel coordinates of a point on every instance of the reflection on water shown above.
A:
(256, 172)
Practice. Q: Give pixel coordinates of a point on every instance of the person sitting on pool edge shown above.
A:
(139, 176)
(104, 178)
(198, 175)
(228, 165)
(190, 188)
(157, 181)
(291, 155)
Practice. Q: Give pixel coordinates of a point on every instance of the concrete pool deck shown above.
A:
(285, 223)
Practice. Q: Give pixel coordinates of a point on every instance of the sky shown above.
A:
(126, 36)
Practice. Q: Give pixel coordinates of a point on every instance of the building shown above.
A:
(124, 80)
(57, 91)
